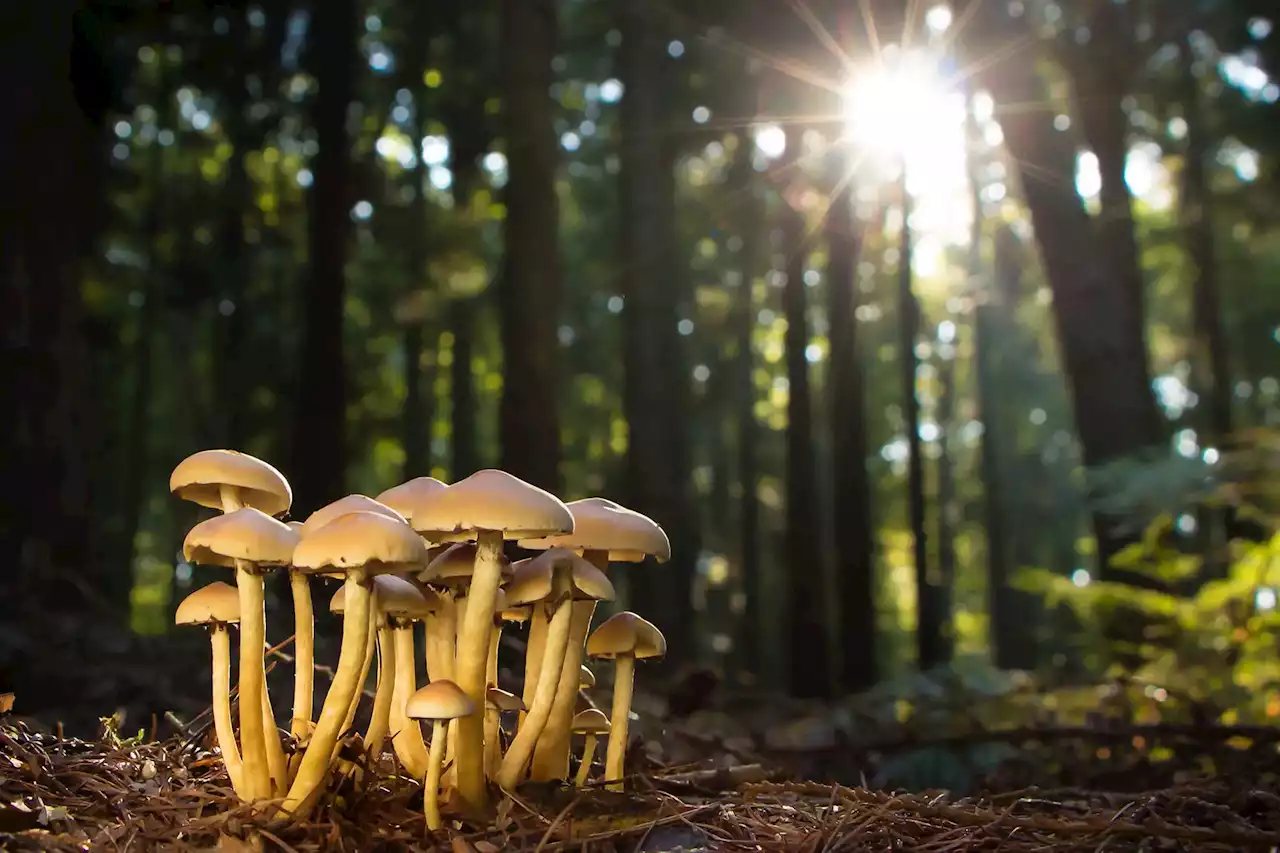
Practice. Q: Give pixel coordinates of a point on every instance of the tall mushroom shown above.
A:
(488, 507)
(439, 702)
(603, 532)
(400, 602)
(497, 702)
(625, 637)
(337, 605)
(591, 723)
(304, 653)
(252, 542)
(406, 735)
(218, 607)
(556, 579)
(361, 545)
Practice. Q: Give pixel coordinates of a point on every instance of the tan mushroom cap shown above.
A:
(599, 524)
(591, 722)
(379, 543)
(338, 603)
(399, 598)
(453, 566)
(587, 679)
(492, 500)
(407, 497)
(246, 534)
(200, 477)
(626, 633)
(501, 700)
(216, 603)
(439, 700)
(343, 506)
(534, 581)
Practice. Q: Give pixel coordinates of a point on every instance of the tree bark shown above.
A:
(319, 444)
(529, 287)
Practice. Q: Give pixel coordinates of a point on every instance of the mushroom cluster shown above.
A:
(424, 552)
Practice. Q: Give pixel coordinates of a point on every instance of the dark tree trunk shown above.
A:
(846, 393)
(529, 286)
(654, 396)
(809, 656)
(319, 442)
(1107, 372)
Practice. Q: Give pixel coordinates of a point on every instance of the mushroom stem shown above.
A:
(472, 661)
(406, 734)
(381, 719)
(533, 659)
(355, 636)
(491, 666)
(440, 635)
(277, 764)
(257, 775)
(304, 649)
(551, 755)
(518, 754)
(431, 786)
(371, 634)
(220, 642)
(616, 754)
(584, 769)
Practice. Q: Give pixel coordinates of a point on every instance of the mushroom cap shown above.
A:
(591, 722)
(512, 613)
(342, 506)
(439, 700)
(338, 603)
(246, 534)
(599, 524)
(453, 566)
(501, 700)
(492, 500)
(626, 633)
(200, 477)
(535, 580)
(216, 603)
(587, 679)
(401, 599)
(408, 496)
(379, 543)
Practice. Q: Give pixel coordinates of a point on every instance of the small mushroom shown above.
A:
(497, 701)
(591, 723)
(218, 607)
(625, 637)
(586, 680)
(439, 702)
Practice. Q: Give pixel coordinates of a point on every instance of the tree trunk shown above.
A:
(851, 492)
(1107, 372)
(654, 397)
(947, 514)
(319, 444)
(809, 648)
(529, 287)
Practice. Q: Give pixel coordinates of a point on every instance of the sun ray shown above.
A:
(822, 34)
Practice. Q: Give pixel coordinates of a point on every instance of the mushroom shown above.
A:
(587, 679)
(439, 702)
(400, 602)
(408, 496)
(406, 736)
(625, 637)
(218, 606)
(506, 612)
(304, 653)
(557, 579)
(337, 605)
(251, 541)
(497, 701)
(361, 545)
(487, 507)
(603, 531)
(591, 723)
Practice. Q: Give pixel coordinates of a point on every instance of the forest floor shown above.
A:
(65, 794)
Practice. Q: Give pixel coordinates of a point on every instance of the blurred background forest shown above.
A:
(941, 340)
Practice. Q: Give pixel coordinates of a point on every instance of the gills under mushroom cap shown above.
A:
(200, 477)
(377, 542)
(246, 534)
(599, 524)
(492, 500)
(407, 498)
(626, 633)
(216, 603)
(439, 700)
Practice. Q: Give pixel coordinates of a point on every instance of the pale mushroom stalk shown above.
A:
(380, 722)
(492, 747)
(472, 661)
(491, 665)
(277, 764)
(431, 785)
(551, 755)
(616, 753)
(533, 658)
(441, 631)
(304, 651)
(367, 664)
(406, 734)
(588, 754)
(521, 749)
(355, 638)
(220, 641)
